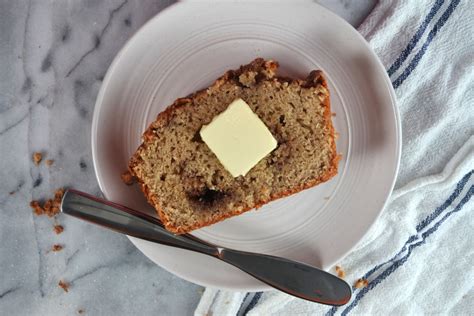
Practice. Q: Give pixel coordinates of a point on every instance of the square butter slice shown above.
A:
(238, 138)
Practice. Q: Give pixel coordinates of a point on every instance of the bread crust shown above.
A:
(259, 65)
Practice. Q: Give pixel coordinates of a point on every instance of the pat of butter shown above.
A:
(238, 138)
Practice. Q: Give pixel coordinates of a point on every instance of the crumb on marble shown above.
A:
(340, 272)
(127, 178)
(57, 247)
(47, 206)
(37, 208)
(361, 283)
(37, 157)
(58, 229)
(56, 202)
(58, 195)
(80, 311)
(49, 162)
(51, 206)
(333, 114)
(336, 135)
(64, 285)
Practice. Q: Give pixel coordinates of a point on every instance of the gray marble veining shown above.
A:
(53, 57)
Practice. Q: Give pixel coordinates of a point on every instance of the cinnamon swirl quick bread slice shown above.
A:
(185, 181)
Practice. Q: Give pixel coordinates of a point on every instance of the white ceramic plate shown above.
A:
(189, 45)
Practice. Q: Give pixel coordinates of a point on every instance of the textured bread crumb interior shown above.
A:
(185, 181)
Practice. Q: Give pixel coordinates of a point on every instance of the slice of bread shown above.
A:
(183, 179)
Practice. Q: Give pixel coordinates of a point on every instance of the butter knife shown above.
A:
(291, 277)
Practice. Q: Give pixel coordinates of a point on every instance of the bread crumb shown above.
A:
(58, 194)
(58, 229)
(81, 311)
(37, 157)
(340, 273)
(37, 209)
(361, 283)
(50, 207)
(333, 114)
(336, 135)
(56, 203)
(49, 162)
(47, 206)
(57, 248)
(127, 178)
(64, 285)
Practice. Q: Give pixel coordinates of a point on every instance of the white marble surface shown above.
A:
(53, 57)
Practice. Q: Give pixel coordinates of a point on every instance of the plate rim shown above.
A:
(398, 132)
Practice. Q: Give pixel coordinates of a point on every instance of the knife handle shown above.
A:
(127, 221)
(291, 277)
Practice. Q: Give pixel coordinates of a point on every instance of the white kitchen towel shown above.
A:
(418, 256)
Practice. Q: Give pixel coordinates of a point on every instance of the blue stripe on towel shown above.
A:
(253, 302)
(402, 260)
(243, 305)
(448, 202)
(439, 24)
(457, 191)
(414, 40)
